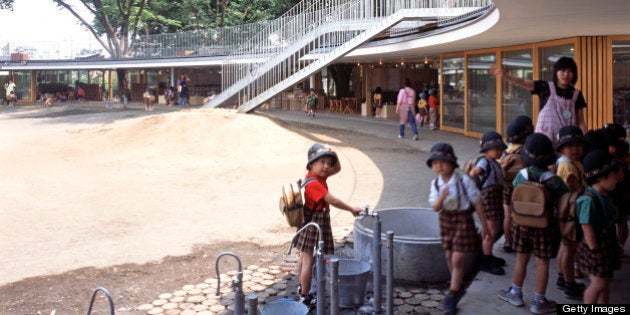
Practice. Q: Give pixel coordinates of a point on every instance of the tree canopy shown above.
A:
(6, 4)
(122, 20)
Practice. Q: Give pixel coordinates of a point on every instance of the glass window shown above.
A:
(515, 99)
(453, 92)
(621, 82)
(481, 94)
(23, 85)
(549, 55)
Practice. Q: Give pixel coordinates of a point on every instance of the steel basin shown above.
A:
(418, 253)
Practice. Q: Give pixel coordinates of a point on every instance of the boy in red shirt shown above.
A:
(322, 163)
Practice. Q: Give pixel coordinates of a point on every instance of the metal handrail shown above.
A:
(317, 37)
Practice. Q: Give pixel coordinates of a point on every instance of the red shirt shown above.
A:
(314, 194)
(433, 102)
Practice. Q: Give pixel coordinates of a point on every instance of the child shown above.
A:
(570, 170)
(423, 113)
(311, 103)
(597, 214)
(322, 163)
(149, 100)
(433, 109)
(454, 195)
(511, 163)
(618, 148)
(489, 176)
(11, 98)
(168, 96)
(538, 155)
(378, 101)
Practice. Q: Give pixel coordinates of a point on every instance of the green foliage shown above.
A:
(6, 4)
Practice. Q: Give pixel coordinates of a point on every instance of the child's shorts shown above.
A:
(603, 260)
(492, 200)
(543, 242)
(458, 231)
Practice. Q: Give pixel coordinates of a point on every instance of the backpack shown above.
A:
(566, 216)
(517, 164)
(471, 164)
(530, 201)
(292, 202)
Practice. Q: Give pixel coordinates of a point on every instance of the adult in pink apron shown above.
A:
(563, 105)
(406, 110)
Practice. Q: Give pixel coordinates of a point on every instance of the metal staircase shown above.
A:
(314, 34)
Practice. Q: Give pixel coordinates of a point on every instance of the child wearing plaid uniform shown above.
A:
(455, 196)
(490, 176)
(598, 253)
(569, 168)
(322, 163)
(538, 154)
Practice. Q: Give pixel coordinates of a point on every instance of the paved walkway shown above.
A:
(278, 280)
(482, 292)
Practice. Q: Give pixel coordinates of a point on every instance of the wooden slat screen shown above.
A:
(591, 58)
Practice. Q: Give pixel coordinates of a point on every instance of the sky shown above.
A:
(38, 20)
(41, 24)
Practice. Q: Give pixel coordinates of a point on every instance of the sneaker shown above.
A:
(449, 305)
(415, 137)
(498, 260)
(492, 268)
(574, 291)
(508, 248)
(515, 299)
(400, 137)
(543, 306)
(308, 300)
(560, 284)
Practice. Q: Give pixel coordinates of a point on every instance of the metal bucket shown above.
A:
(353, 278)
(284, 308)
(418, 253)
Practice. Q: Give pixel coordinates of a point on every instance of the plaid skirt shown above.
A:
(307, 239)
(543, 242)
(601, 261)
(492, 200)
(458, 231)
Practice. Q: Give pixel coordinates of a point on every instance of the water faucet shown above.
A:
(366, 212)
(237, 285)
(320, 237)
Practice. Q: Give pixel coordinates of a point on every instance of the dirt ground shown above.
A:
(143, 203)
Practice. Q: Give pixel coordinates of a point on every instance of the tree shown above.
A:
(6, 4)
(341, 74)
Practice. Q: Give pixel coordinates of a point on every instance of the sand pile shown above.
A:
(136, 190)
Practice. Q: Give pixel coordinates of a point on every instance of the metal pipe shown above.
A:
(321, 279)
(252, 304)
(239, 298)
(319, 265)
(334, 286)
(390, 273)
(376, 267)
(109, 299)
(319, 239)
